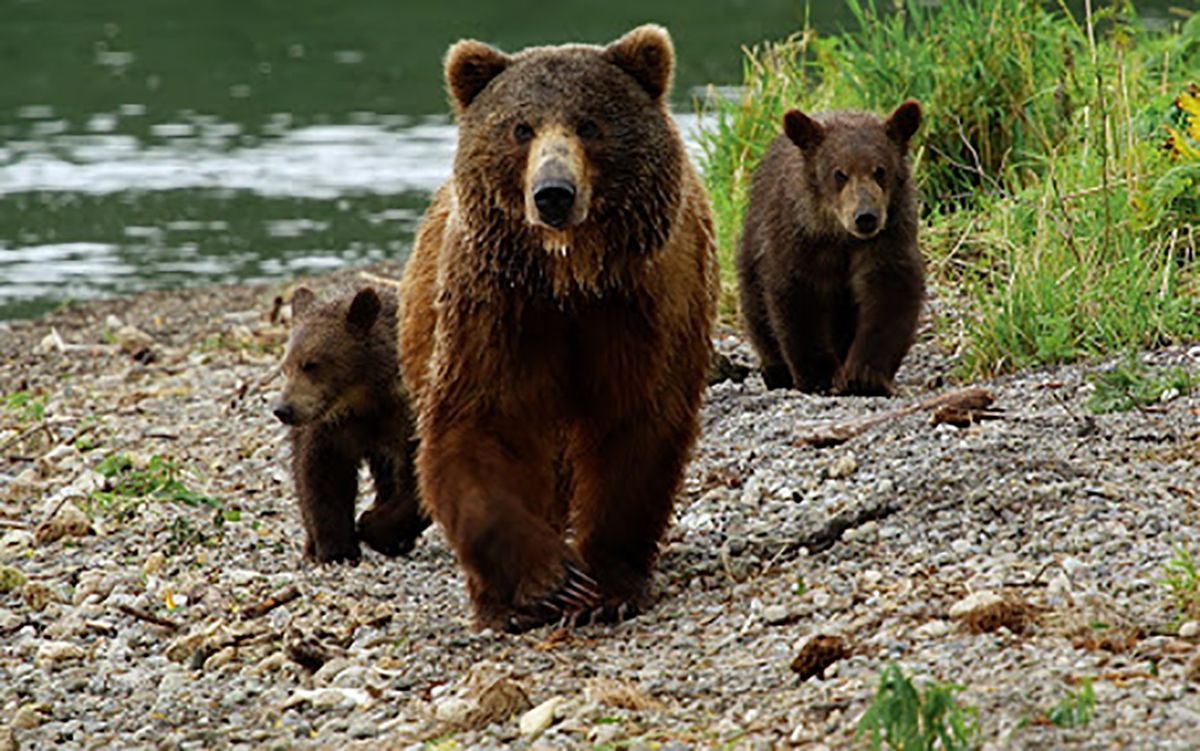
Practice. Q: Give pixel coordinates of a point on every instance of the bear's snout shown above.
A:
(554, 198)
(866, 222)
(285, 413)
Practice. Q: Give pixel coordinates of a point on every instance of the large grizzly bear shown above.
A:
(346, 406)
(555, 323)
(831, 279)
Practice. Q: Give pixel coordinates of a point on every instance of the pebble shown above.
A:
(541, 717)
(842, 467)
(15, 542)
(53, 653)
(1189, 630)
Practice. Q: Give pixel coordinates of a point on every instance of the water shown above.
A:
(179, 143)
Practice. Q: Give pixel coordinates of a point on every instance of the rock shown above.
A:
(220, 659)
(818, 654)
(842, 467)
(974, 602)
(15, 542)
(8, 741)
(541, 717)
(10, 579)
(51, 653)
(453, 710)
(37, 596)
(154, 563)
(328, 698)
(1189, 630)
(934, 629)
(1192, 670)
(30, 716)
(68, 522)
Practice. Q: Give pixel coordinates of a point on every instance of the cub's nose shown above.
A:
(554, 200)
(866, 222)
(285, 413)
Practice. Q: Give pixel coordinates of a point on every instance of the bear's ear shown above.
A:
(302, 300)
(470, 67)
(646, 53)
(364, 309)
(803, 131)
(904, 122)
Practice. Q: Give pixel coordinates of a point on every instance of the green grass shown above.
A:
(1132, 385)
(1058, 163)
(25, 407)
(1181, 577)
(1076, 709)
(905, 718)
(158, 480)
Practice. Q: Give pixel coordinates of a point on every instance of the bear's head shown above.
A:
(333, 357)
(856, 162)
(567, 148)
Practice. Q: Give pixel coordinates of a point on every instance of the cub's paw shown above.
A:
(862, 381)
(576, 594)
(390, 532)
(332, 552)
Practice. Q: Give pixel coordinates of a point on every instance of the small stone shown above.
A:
(842, 467)
(605, 735)
(51, 653)
(220, 659)
(974, 602)
(10, 579)
(777, 615)
(1192, 670)
(1189, 630)
(154, 563)
(541, 717)
(68, 522)
(8, 741)
(37, 596)
(934, 629)
(30, 716)
(15, 542)
(453, 710)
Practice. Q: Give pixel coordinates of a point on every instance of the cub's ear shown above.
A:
(364, 309)
(904, 122)
(470, 67)
(302, 299)
(803, 131)
(646, 53)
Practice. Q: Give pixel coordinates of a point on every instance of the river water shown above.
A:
(170, 143)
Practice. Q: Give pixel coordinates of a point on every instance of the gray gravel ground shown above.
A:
(1073, 515)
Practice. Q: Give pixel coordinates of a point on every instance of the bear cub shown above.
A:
(343, 400)
(831, 279)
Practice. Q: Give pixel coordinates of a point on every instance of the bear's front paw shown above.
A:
(862, 381)
(391, 532)
(578, 593)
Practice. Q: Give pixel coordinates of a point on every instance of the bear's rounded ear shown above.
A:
(302, 300)
(470, 67)
(364, 309)
(803, 131)
(904, 122)
(646, 53)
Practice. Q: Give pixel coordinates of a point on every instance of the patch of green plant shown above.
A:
(905, 718)
(1181, 577)
(1058, 162)
(25, 407)
(159, 480)
(1131, 384)
(1076, 709)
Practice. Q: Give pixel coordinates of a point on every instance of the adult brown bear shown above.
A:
(830, 276)
(555, 324)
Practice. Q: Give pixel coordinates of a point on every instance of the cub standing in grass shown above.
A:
(346, 405)
(831, 279)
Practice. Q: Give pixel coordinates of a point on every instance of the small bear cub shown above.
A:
(831, 278)
(345, 404)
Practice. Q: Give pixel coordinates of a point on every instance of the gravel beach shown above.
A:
(187, 618)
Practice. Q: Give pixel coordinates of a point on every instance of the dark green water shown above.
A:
(152, 143)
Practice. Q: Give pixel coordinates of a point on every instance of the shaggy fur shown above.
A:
(557, 358)
(831, 279)
(346, 406)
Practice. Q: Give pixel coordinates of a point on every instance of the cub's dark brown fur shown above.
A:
(831, 278)
(345, 403)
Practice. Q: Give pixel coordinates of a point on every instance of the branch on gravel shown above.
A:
(961, 408)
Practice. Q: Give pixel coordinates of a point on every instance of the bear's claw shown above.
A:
(577, 593)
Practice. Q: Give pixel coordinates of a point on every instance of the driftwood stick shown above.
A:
(970, 400)
(142, 615)
(269, 604)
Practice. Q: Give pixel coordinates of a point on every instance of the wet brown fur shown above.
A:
(827, 306)
(558, 390)
(346, 406)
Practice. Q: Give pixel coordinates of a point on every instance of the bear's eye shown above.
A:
(880, 174)
(839, 178)
(588, 129)
(523, 132)
(308, 366)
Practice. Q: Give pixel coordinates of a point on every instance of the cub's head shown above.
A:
(570, 144)
(856, 162)
(331, 358)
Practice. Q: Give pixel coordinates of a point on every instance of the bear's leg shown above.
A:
(326, 484)
(492, 490)
(394, 522)
(775, 372)
(886, 326)
(801, 325)
(626, 476)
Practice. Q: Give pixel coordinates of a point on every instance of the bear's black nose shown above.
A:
(866, 221)
(554, 200)
(285, 413)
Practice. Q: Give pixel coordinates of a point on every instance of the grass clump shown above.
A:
(25, 407)
(1059, 164)
(1132, 385)
(903, 718)
(1076, 709)
(1181, 577)
(125, 484)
